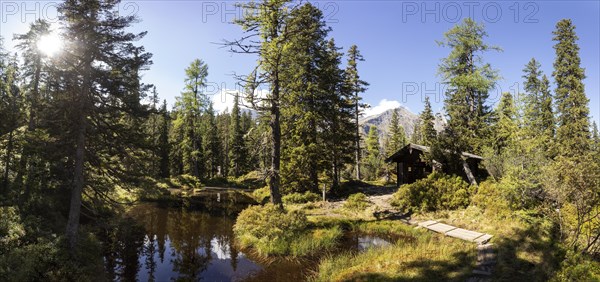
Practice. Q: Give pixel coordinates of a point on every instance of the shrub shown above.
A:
(49, 260)
(491, 197)
(268, 229)
(186, 181)
(262, 195)
(253, 179)
(357, 202)
(11, 228)
(578, 267)
(437, 191)
(299, 198)
(218, 181)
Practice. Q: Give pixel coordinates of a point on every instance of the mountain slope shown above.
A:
(408, 120)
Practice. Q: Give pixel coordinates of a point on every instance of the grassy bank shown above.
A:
(427, 257)
(270, 231)
(525, 242)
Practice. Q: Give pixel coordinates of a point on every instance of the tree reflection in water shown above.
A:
(165, 244)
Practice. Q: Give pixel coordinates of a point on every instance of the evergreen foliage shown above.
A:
(572, 134)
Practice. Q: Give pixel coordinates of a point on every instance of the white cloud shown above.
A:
(383, 106)
(223, 101)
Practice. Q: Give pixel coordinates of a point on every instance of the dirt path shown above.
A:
(381, 201)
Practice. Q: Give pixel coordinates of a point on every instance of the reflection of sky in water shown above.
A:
(365, 242)
(186, 237)
(219, 268)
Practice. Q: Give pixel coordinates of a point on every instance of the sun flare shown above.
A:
(50, 44)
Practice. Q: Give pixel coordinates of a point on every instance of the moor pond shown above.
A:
(161, 243)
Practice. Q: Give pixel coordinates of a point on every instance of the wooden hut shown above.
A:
(411, 167)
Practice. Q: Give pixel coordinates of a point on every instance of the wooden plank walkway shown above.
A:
(449, 230)
(486, 257)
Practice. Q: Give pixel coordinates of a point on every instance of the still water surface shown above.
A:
(176, 244)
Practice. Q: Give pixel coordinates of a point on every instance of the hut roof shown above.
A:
(408, 149)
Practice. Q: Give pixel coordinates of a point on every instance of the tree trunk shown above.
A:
(469, 173)
(78, 173)
(276, 146)
(357, 140)
(78, 183)
(335, 177)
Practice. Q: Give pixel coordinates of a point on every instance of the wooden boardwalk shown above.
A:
(486, 257)
(452, 231)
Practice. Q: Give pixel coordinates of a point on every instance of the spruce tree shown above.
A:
(11, 113)
(546, 118)
(100, 68)
(426, 123)
(189, 107)
(211, 141)
(35, 73)
(305, 110)
(237, 148)
(595, 138)
(532, 100)
(163, 141)
(416, 137)
(538, 119)
(356, 86)
(572, 134)
(265, 30)
(223, 131)
(506, 127)
(373, 156)
(339, 127)
(397, 135)
(468, 81)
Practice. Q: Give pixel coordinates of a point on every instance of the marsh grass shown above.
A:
(270, 231)
(317, 240)
(388, 229)
(427, 258)
(525, 242)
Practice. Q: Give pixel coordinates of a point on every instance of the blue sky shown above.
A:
(397, 39)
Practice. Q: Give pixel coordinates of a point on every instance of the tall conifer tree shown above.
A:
(572, 134)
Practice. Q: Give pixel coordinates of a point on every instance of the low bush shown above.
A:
(437, 191)
(49, 260)
(11, 228)
(271, 231)
(491, 197)
(299, 198)
(262, 195)
(218, 181)
(186, 181)
(253, 179)
(578, 267)
(356, 202)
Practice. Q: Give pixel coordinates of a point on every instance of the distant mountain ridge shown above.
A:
(408, 120)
